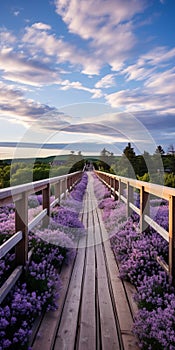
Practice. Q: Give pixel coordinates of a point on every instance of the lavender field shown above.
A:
(154, 324)
(39, 288)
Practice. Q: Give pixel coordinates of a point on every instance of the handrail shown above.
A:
(116, 184)
(19, 196)
(13, 192)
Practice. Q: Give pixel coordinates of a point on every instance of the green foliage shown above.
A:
(145, 177)
(21, 172)
(127, 164)
(169, 180)
(106, 160)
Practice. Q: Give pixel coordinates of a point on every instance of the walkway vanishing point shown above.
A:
(95, 307)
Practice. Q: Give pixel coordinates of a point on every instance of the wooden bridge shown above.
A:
(96, 308)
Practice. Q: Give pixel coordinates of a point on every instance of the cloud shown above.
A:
(157, 56)
(162, 83)
(66, 85)
(17, 67)
(106, 82)
(137, 72)
(141, 100)
(145, 68)
(16, 13)
(106, 29)
(41, 26)
(156, 92)
(16, 108)
(39, 41)
(86, 18)
(6, 37)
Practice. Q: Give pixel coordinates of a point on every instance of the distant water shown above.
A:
(12, 152)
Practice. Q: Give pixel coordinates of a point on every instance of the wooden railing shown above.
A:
(19, 196)
(123, 189)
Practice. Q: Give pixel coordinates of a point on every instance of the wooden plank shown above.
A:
(21, 224)
(45, 337)
(122, 293)
(157, 190)
(163, 264)
(55, 202)
(133, 207)
(67, 331)
(46, 332)
(10, 282)
(109, 331)
(37, 219)
(172, 237)
(87, 333)
(68, 326)
(123, 309)
(144, 208)
(10, 243)
(46, 204)
(157, 227)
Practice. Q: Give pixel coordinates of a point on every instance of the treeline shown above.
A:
(157, 168)
(20, 172)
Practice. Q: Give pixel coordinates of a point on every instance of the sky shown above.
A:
(86, 74)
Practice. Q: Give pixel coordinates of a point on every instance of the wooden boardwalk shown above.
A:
(95, 307)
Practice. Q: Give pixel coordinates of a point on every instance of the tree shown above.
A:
(127, 163)
(159, 150)
(129, 152)
(106, 159)
(171, 150)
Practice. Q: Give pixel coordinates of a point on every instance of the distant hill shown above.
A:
(50, 159)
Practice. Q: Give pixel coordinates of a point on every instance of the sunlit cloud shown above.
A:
(106, 82)
(16, 13)
(6, 37)
(37, 40)
(109, 32)
(15, 66)
(141, 100)
(88, 51)
(14, 106)
(66, 85)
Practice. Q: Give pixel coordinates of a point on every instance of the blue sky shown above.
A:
(76, 72)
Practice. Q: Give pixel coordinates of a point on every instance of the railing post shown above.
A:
(68, 183)
(120, 189)
(111, 184)
(172, 237)
(144, 207)
(64, 187)
(46, 203)
(71, 182)
(129, 194)
(21, 224)
(57, 191)
(116, 187)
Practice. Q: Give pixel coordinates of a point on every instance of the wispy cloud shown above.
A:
(37, 40)
(16, 13)
(14, 106)
(107, 29)
(66, 85)
(141, 100)
(6, 37)
(17, 67)
(162, 83)
(106, 82)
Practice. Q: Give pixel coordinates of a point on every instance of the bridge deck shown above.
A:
(95, 307)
